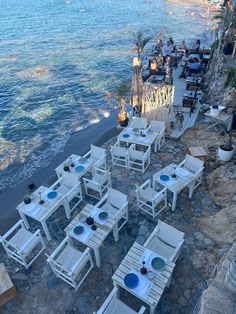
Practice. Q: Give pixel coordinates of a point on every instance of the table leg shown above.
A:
(97, 257)
(174, 201)
(155, 149)
(116, 232)
(23, 216)
(152, 309)
(191, 188)
(67, 209)
(45, 229)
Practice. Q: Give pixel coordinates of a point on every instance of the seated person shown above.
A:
(153, 67)
(167, 68)
(166, 50)
(183, 46)
(171, 43)
(196, 46)
(159, 44)
(159, 60)
(186, 68)
(195, 65)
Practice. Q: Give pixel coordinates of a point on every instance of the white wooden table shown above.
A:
(132, 262)
(75, 160)
(41, 212)
(129, 136)
(96, 237)
(175, 185)
(219, 122)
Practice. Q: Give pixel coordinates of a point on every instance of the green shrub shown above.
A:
(215, 44)
(231, 78)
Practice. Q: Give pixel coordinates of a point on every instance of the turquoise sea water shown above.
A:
(58, 58)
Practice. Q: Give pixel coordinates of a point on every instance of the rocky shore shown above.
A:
(208, 221)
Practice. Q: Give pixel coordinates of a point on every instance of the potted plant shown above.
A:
(120, 97)
(226, 151)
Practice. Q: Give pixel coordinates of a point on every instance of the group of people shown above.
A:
(162, 62)
(194, 63)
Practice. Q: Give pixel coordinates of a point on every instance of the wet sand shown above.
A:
(79, 144)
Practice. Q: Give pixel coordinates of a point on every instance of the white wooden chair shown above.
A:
(22, 245)
(119, 155)
(116, 204)
(166, 241)
(139, 160)
(70, 264)
(149, 200)
(139, 123)
(98, 156)
(69, 186)
(194, 166)
(159, 128)
(99, 183)
(113, 305)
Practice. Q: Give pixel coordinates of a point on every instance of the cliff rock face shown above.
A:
(221, 227)
(215, 91)
(197, 136)
(222, 185)
(217, 298)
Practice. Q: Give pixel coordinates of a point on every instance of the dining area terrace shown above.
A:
(115, 239)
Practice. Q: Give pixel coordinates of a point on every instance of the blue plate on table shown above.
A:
(79, 230)
(131, 281)
(164, 177)
(103, 215)
(125, 135)
(79, 169)
(52, 195)
(158, 263)
(83, 160)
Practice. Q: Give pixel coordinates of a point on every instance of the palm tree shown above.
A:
(140, 41)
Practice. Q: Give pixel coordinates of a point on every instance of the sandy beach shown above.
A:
(79, 144)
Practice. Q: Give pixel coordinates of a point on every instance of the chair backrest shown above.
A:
(169, 234)
(157, 126)
(99, 175)
(69, 179)
(97, 152)
(116, 198)
(139, 123)
(118, 151)
(193, 164)
(113, 304)
(133, 153)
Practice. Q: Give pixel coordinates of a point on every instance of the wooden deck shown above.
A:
(189, 121)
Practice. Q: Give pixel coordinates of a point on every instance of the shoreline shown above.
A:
(78, 143)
